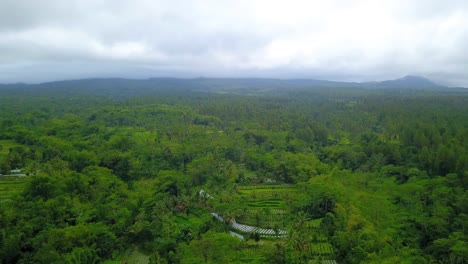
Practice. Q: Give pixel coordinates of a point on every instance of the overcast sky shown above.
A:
(43, 40)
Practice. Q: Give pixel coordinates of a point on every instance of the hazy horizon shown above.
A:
(214, 78)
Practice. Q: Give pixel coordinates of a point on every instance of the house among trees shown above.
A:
(15, 172)
(202, 193)
(180, 208)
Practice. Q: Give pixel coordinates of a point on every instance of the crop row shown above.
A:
(267, 195)
(322, 248)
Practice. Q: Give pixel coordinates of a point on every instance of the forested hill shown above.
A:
(117, 87)
(163, 171)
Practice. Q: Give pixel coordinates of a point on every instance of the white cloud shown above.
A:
(357, 40)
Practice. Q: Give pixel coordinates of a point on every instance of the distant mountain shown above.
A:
(406, 82)
(119, 88)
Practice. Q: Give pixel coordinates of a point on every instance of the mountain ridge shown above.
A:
(127, 87)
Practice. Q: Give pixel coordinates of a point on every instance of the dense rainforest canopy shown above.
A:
(176, 174)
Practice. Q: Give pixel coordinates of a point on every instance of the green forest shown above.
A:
(177, 174)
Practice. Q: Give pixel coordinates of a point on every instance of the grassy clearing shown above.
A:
(10, 187)
(135, 256)
(191, 221)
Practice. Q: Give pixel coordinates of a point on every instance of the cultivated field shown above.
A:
(10, 187)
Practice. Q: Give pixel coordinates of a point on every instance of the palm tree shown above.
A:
(298, 237)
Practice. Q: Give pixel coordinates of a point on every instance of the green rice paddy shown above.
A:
(10, 187)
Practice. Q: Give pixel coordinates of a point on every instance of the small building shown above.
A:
(180, 208)
(270, 180)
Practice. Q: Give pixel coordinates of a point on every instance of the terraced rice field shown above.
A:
(271, 203)
(5, 146)
(266, 217)
(266, 209)
(267, 192)
(267, 205)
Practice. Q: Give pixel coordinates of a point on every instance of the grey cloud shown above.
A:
(52, 39)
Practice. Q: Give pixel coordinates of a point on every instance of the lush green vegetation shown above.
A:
(350, 175)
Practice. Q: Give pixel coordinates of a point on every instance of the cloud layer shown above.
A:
(45, 40)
